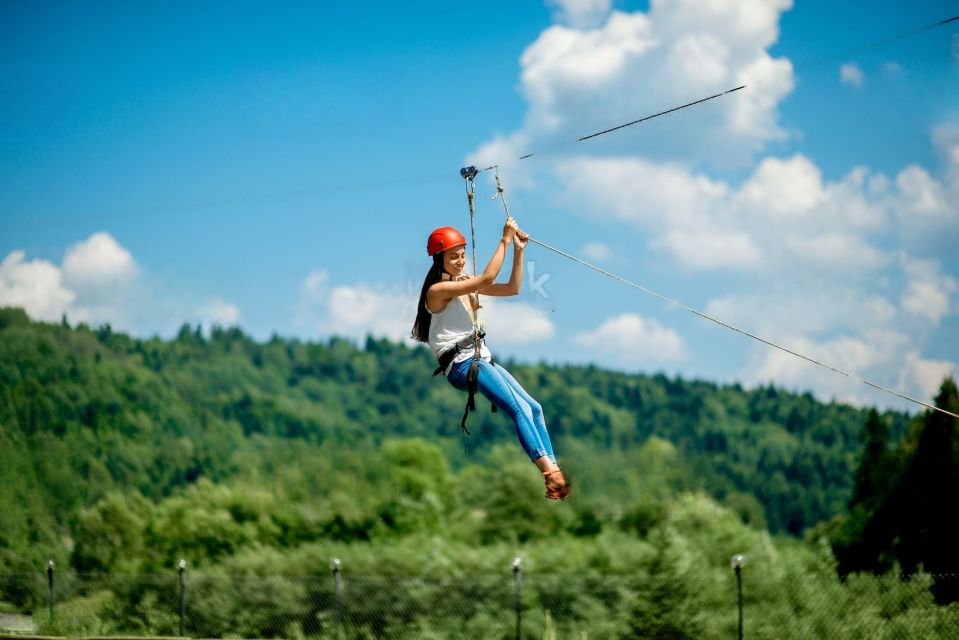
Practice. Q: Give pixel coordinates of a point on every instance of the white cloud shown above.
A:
(629, 337)
(790, 188)
(810, 310)
(314, 289)
(354, 311)
(581, 14)
(361, 309)
(93, 283)
(36, 286)
(835, 250)
(924, 375)
(602, 68)
(98, 282)
(887, 358)
(782, 215)
(640, 192)
(564, 62)
(921, 199)
(710, 249)
(928, 291)
(597, 251)
(504, 151)
(843, 325)
(99, 261)
(509, 322)
(219, 312)
(830, 240)
(817, 253)
(850, 74)
(701, 59)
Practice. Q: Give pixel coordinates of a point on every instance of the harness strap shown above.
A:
(472, 376)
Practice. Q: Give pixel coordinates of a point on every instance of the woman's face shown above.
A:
(454, 260)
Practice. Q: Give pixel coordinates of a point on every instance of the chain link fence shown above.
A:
(514, 605)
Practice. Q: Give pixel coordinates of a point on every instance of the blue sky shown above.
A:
(279, 167)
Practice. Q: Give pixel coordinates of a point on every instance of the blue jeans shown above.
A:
(501, 389)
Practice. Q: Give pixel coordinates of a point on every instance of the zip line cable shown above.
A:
(501, 194)
(405, 182)
(809, 65)
(737, 329)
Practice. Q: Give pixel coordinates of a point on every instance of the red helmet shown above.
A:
(444, 238)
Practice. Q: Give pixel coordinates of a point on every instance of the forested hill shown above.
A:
(87, 412)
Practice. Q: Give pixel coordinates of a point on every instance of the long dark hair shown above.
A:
(421, 327)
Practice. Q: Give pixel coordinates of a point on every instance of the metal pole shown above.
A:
(336, 566)
(737, 562)
(518, 582)
(50, 565)
(181, 567)
(739, 585)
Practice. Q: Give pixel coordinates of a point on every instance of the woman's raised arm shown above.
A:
(441, 292)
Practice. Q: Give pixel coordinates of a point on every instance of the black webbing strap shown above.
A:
(472, 376)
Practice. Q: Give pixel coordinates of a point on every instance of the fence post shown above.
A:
(518, 583)
(335, 567)
(50, 565)
(181, 568)
(737, 562)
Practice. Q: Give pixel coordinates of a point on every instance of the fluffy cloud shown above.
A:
(852, 268)
(782, 214)
(612, 66)
(597, 251)
(92, 284)
(515, 322)
(98, 281)
(354, 311)
(843, 325)
(219, 312)
(581, 14)
(98, 262)
(886, 358)
(359, 310)
(629, 337)
(851, 75)
(848, 249)
(710, 249)
(35, 285)
(810, 310)
(921, 199)
(928, 292)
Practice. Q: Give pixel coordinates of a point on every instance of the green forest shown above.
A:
(121, 455)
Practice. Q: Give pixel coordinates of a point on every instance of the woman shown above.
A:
(445, 319)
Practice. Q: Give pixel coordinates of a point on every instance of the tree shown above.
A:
(874, 476)
(865, 536)
(664, 608)
(926, 497)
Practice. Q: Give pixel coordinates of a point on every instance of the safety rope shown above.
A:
(472, 376)
(469, 174)
(500, 192)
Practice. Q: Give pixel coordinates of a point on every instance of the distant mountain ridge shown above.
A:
(88, 411)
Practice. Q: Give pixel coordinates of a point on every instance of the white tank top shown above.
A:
(451, 325)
